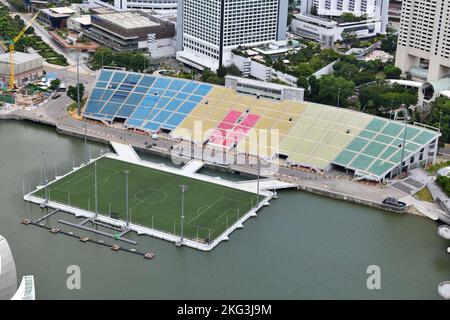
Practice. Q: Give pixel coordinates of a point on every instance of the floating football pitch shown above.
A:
(154, 198)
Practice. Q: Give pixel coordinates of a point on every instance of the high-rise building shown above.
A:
(319, 19)
(338, 7)
(423, 47)
(208, 30)
(154, 5)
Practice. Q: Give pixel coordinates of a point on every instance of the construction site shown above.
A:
(23, 82)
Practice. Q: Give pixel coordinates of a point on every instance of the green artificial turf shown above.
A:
(154, 198)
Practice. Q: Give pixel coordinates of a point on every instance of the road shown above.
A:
(40, 31)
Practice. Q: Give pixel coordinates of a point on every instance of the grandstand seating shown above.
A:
(301, 133)
(142, 101)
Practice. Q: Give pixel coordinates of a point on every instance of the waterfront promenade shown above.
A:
(335, 185)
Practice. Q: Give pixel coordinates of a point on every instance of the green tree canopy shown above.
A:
(440, 112)
(72, 92)
(54, 84)
(346, 70)
(392, 72)
(389, 44)
(332, 89)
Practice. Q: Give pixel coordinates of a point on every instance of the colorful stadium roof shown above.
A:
(310, 135)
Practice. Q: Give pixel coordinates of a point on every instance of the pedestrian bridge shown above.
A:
(125, 151)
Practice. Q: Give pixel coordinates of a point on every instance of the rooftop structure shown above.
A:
(128, 20)
(28, 66)
(310, 135)
(150, 5)
(326, 27)
(103, 10)
(130, 31)
(8, 276)
(62, 10)
(264, 89)
(55, 17)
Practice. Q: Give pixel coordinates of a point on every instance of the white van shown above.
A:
(155, 136)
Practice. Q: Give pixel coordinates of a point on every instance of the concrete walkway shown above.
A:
(193, 166)
(268, 184)
(125, 151)
(436, 191)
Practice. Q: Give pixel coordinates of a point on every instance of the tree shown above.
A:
(302, 82)
(30, 30)
(444, 183)
(384, 96)
(72, 92)
(440, 116)
(313, 88)
(102, 57)
(54, 84)
(392, 72)
(389, 44)
(211, 77)
(303, 70)
(221, 71)
(348, 37)
(345, 70)
(314, 10)
(332, 89)
(280, 66)
(364, 77)
(350, 17)
(233, 70)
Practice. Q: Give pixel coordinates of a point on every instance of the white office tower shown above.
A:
(8, 276)
(208, 30)
(338, 7)
(318, 19)
(156, 5)
(423, 47)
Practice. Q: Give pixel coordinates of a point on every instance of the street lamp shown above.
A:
(183, 189)
(257, 183)
(44, 157)
(405, 115)
(96, 189)
(126, 197)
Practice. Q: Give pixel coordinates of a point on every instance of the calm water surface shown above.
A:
(300, 247)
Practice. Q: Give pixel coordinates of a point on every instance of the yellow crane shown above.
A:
(11, 43)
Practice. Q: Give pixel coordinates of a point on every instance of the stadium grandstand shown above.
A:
(310, 135)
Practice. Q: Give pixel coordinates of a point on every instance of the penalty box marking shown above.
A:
(87, 174)
(201, 211)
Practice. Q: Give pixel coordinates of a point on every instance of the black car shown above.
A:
(391, 201)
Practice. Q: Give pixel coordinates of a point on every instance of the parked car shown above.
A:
(391, 201)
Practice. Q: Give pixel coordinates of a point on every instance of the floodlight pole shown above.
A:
(183, 188)
(78, 83)
(44, 157)
(96, 189)
(126, 196)
(404, 139)
(257, 183)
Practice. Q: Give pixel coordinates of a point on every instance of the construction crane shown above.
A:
(11, 43)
